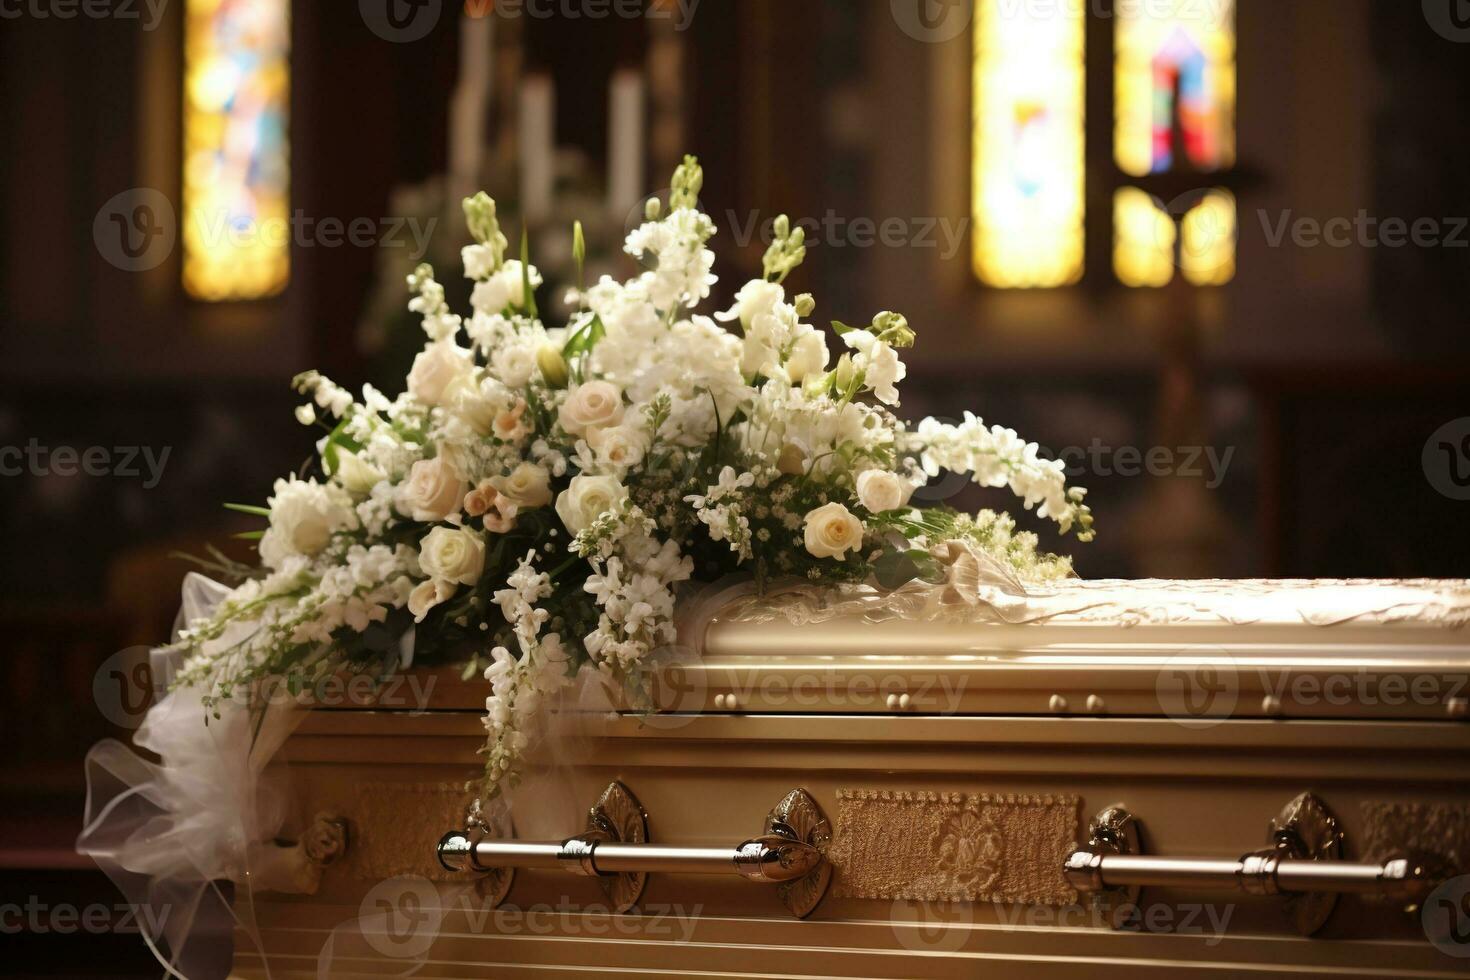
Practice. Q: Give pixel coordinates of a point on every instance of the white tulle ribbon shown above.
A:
(170, 833)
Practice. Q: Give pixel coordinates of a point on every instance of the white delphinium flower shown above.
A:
(439, 323)
(506, 289)
(304, 515)
(632, 583)
(674, 248)
(878, 363)
(997, 457)
(722, 508)
(756, 298)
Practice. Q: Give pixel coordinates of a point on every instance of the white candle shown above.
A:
(471, 100)
(625, 118)
(538, 145)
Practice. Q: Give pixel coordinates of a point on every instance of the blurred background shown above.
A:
(1216, 256)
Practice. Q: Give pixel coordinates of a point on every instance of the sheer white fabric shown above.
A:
(171, 833)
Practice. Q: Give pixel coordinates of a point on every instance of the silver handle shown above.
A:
(615, 849)
(1303, 862)
(1258, 873)
(771, 859)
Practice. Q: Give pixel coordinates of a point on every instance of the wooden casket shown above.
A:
(1144, 779)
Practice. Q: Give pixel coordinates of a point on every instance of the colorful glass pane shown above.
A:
(1175, 85)
(236, 154)
(1028, 158)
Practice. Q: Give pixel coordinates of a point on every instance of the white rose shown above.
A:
(477, 404)
(756, 298)
(596, 404)
(879, 490)
(514, 364)
(527, 486)
(832, 531)
(621, 446)
(355, 475)
(808, 356)
(453, 555)
(587, 499)
(438, 367)
(432, 491)
(427, 595)
(304, 516)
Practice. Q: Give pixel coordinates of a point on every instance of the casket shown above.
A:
(1268, 778)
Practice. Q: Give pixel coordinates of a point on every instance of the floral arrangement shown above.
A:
(544, 493)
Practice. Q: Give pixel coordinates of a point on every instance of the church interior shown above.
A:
(1214, 256)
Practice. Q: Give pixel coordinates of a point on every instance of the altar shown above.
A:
(1249, 777)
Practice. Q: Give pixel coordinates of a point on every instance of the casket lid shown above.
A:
(1193, 650)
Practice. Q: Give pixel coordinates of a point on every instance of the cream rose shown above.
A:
(453, 555)
(832, 531)
(436, 371)
(594, 405)
(432, 491)
(355, 475)
(621, 446)
(527, 486)
(879, 490)
(427, 595)
(587, 499)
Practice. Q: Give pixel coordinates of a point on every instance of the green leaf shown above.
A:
(249, 509)
(526, 274)
(585, 337)
(842, 328)
(249, 535)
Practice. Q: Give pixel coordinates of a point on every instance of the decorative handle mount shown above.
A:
(789, 853)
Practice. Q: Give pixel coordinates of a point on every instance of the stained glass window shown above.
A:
(1174, 92)
(236, 231)
(1028, 162)
(1175, 85)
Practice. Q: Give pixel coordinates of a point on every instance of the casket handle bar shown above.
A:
(790, 853)
(1303, 863)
